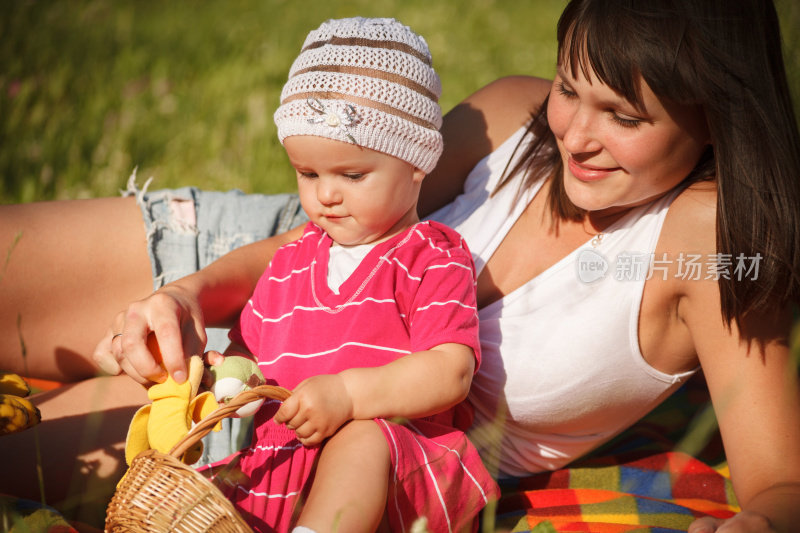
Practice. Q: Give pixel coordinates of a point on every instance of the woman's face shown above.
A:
(617, 156)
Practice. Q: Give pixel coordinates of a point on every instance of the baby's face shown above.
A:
(356, 195)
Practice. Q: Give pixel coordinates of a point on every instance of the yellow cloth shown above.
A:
(165, 421)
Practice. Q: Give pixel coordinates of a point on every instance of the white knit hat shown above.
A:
(368, 81)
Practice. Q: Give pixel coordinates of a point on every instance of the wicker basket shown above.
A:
(161, 494)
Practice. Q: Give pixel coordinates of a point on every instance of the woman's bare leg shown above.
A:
(67, 268)
(78, 447)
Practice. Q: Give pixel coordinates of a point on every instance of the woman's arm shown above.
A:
(753, 381)
(178, 313)
(476, 127)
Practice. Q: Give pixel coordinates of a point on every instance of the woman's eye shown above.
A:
(623, 120)
(563, 90)
(626, 122)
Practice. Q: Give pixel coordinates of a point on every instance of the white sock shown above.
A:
(303, 529)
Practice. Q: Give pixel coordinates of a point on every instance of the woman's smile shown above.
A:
(586, 172)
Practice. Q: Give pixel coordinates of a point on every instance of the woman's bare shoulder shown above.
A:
(475, 128)
(507, 104)
(691, 222)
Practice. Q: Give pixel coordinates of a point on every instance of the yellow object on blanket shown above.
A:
(161, 424)
(17, 413)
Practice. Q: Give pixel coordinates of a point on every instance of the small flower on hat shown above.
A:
(341, 118)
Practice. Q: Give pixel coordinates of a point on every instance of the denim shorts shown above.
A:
(187, 229)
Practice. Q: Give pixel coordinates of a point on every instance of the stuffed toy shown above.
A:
(234, 375)
(165, 421)
(174, 408)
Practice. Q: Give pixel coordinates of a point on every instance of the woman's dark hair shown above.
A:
(726, 58)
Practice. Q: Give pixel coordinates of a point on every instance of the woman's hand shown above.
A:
(744, 522)
(174, 316)
(317, 408)
(178, 312)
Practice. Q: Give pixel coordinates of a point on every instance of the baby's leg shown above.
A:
(351, 482)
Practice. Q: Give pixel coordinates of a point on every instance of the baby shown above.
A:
(370, 317)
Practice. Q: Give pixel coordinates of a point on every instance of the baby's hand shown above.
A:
(317, 408)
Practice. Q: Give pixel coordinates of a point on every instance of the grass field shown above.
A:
(185, 90)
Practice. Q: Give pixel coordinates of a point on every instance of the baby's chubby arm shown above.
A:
(417, 385)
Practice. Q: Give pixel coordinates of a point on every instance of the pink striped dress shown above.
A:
(411, 293)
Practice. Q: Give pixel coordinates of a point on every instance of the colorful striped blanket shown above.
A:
(656, 477)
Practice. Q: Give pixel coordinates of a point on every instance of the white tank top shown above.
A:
(561, 369)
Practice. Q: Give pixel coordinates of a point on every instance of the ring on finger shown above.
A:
(115, 336)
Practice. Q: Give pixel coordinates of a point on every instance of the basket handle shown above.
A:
(203, 428)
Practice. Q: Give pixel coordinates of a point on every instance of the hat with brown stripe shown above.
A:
(368, 81)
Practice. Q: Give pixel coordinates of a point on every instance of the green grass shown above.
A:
(185, 90)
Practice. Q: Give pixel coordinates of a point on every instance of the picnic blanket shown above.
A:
(658, 476)
(18, 515)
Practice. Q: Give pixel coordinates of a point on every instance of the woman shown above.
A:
(661, 138)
